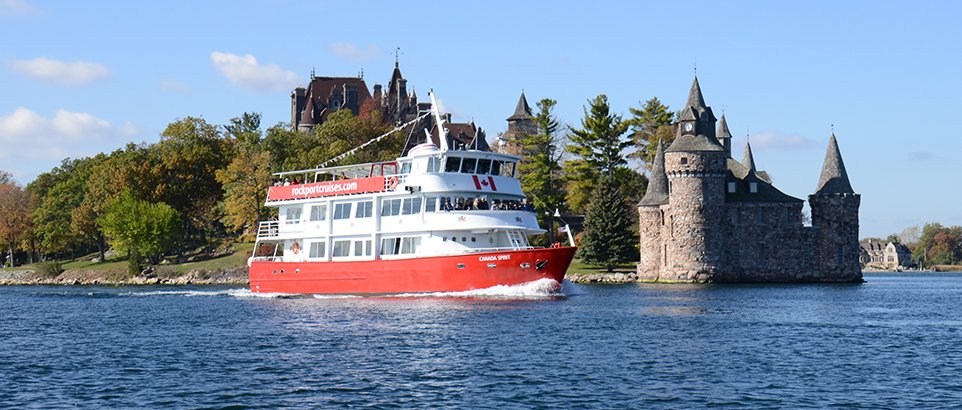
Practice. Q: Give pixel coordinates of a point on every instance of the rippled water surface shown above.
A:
(894, 341)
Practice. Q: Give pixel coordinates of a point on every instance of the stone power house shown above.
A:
(709, 218)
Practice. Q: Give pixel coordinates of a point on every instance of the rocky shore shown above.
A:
(603, 277)
(234, 276)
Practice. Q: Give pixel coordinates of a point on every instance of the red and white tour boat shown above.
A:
(435, 220)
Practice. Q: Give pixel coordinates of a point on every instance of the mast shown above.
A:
(442, 132)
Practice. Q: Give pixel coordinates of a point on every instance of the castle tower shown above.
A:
(696, 166)
(835, 217)
(724, 135)
(522, 122)
(651, 219)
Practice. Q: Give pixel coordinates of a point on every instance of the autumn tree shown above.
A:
(140, 228)
(186, 161)
(58, 193)
(247, 177)
(599, 146)
(14, 216)
(939, 245)
(650, 123)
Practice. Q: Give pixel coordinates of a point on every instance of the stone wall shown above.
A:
(651, 245)
(836, 243)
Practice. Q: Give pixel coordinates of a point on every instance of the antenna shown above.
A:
(695, 66)
(397, 52)
(442, 132)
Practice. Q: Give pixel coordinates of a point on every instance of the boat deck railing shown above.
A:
(274, 229)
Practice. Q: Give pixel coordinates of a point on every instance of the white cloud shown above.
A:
(27, 134)
(246, 72)
(777, 141)
(173, 86)
(18, 8)
(353, 52)
(60, 72)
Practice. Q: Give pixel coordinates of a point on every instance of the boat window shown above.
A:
(453, 164)
(367, 247)
(294, 215)
(358, 248)
(390, 246)
(318, 249)
(508, 169)
(496, 167)
(364, 209)
(484, 166)
(318, 212)
(411, 206)
(434, 164)
(406, 168)
(468, 165)
(431, 204)
(341, 248)
(410, 244)
(391, 207)
(342, 211)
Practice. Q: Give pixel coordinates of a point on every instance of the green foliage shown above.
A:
(246, 180)
(599, 145)
(541, 175)
(608, 238)
(939, 245)
(50, 268)
(649, 124)
(340, 132)
(140, 228)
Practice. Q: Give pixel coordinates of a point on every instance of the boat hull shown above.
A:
(412, 275)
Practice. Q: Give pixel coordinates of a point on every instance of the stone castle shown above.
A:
(311, 105)
(709, 218)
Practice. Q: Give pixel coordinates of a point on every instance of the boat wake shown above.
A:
(541, 288)
(237, 293)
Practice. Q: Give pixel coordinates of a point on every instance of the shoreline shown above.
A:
(81, 277)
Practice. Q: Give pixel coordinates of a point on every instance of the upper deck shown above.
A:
(425, 169)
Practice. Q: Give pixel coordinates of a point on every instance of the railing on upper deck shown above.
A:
(274, 229)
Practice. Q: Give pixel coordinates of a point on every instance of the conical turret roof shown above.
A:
(834, 179)
(723, 131)
(522, 111)
(657, 193)
(748, 160)
(695, 99)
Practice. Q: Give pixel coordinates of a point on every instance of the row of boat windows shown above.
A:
(405, 245)
(463, 165)
(391, 207)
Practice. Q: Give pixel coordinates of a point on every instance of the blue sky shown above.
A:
(85, 77)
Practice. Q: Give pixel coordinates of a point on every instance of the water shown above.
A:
(891, 342)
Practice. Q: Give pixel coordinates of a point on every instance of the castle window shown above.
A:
(760, 216)
(684, 161)
(753, 187)
(731, 187)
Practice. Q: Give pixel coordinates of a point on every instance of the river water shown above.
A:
(894, 341)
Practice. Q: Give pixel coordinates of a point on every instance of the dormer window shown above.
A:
(753, 187)
(731, 187)
(684, 160)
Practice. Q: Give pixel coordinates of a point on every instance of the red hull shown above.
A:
(429, 274)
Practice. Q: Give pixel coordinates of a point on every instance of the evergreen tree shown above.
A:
(599, 145)
(608, 238)
(649, 124)
(540, 164)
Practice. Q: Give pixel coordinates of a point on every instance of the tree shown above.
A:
(14, 216)
(57, 194)
(541, 174)
(938, 245)
(246, 181)
(140, 228)
(185, 162)
(5, 177)
(650, 123)
(608, 238)
(599, 145)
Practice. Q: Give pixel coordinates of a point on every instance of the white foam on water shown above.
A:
(336, 296)
(246, 293)
(541, 288)
(189, 293)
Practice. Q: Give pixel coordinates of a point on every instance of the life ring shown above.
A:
(295, 248)
(392, 183)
